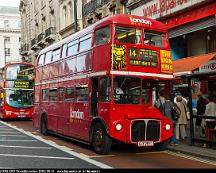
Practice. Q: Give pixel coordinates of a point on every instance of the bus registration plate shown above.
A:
(145, 143)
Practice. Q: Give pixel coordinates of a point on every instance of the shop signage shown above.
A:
(160, 8)
(209, 67)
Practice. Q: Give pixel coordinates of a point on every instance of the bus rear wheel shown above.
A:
(43, 126)
(101, 142)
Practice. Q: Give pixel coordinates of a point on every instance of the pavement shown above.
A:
(196, 150)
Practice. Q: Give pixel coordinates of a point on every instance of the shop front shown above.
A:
(192, 24)
(197, 75)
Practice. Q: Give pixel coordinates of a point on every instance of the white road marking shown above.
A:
(2, 132)
(94, 162)
(15, 135)
(14, 140)
(152, 152)
(192, 158)
(7, 146)
(34, 156)
(99, 156)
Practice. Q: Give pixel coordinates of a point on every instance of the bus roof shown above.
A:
(18, 62)
(122, 19)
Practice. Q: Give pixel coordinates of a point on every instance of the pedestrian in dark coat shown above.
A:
(201, 106)
(168, 106)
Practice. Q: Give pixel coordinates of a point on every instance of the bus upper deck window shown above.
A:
(41, 59)
(102, 36)
(128, 35)
(154, 38)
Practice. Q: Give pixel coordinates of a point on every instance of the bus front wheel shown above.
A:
(43, 125)
(162, 145)
(101, 142)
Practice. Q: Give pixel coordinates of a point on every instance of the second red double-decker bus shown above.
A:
(17, 91)
(100, 84)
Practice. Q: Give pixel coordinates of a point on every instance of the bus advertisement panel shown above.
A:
(100, 84)
(17, 90)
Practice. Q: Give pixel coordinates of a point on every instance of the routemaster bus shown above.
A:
(17, 91)
(99, 85)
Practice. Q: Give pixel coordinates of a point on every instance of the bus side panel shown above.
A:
(101, 58)
(37, 108)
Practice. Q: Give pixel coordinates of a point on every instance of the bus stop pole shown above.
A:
(191, 111)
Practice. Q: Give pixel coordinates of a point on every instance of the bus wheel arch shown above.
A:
(44, 124)
(161, 146)
(100, 140)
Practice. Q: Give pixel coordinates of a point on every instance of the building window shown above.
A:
(125, 9)
(64, 16)
(7, 51)
(69, 13)
(90, 21)
(6, 24)
(7, 39)
(98, 2)
(113, 9)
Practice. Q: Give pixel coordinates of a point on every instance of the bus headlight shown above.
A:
(167, 127)
(118, 127)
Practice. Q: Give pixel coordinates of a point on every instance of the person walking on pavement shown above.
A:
(160, 102)
(201, 106)
(182, 121)
(168, 106)
(210, 111)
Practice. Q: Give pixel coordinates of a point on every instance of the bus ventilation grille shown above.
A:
(145, 131)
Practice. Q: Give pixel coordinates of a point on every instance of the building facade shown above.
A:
(94, 10)
(10, 35)
(45, 22)
(191, 23)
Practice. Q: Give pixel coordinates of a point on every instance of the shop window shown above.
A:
(7, 51)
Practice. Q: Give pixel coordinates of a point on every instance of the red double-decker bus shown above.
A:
(100, 84)
(17, 91)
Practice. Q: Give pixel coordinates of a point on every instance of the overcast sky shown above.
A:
(10, 3)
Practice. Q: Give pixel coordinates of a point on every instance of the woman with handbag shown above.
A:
(168, 112)
(182, 121)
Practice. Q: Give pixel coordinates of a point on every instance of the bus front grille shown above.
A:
(145, 130)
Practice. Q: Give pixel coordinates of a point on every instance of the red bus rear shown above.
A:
(17, 91)
(76, 80)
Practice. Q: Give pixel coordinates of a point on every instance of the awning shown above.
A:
(188, 65)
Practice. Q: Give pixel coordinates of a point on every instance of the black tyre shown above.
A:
(101, 142)
(43, 125)
(161, 146)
